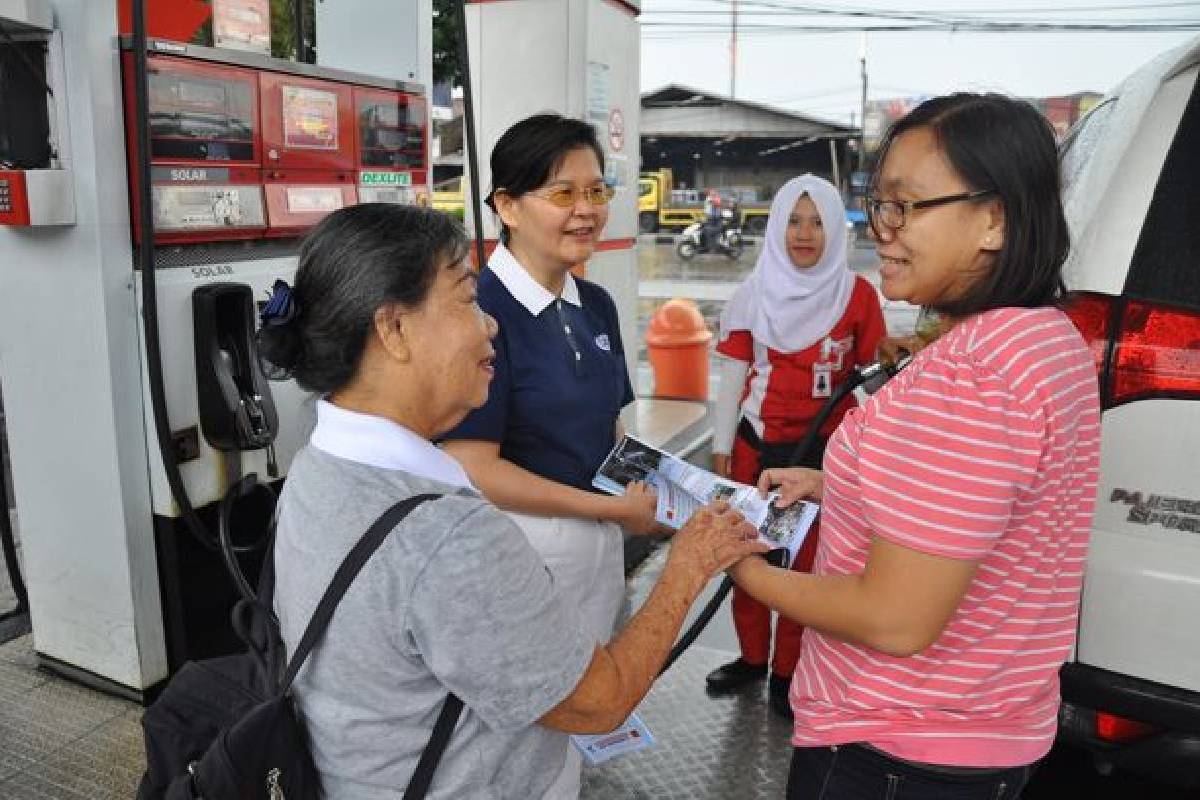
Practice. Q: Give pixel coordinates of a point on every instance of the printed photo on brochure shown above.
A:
(683, 489)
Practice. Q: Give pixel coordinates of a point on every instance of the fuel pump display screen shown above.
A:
(391, 129)
(199, 115)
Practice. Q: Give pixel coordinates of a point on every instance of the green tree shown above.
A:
(283, 30)
(445, 42)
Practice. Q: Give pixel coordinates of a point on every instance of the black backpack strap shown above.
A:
(423, 776)
(349, 569)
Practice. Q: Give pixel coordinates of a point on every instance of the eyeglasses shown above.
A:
(568, 196)
(893, 214)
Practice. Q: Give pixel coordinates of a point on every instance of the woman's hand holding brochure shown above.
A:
(795, 483)
(683, 489)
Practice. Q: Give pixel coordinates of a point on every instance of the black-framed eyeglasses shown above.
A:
(893, 214)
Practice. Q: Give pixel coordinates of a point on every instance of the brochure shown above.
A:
(683, 489)
(632, 736)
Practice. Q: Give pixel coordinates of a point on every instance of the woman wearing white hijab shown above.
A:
(789, 335)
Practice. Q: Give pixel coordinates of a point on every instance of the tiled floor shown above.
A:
(707, 749)
(61, 741)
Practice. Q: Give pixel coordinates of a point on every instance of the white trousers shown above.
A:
(587, 561)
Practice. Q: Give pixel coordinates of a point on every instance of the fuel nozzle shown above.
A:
(874, 376)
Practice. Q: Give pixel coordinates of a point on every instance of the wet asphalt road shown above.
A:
(710, 280)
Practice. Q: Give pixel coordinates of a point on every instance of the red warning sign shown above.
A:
(616, 130)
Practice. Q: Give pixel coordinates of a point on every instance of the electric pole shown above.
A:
(862, 118)
(733, 10)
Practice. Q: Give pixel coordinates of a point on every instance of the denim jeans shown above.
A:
(854, 772)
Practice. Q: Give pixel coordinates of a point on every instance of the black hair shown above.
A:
(529, 152)
(353, 262)
(1004, 145)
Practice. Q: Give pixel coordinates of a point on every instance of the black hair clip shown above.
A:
(281, 308)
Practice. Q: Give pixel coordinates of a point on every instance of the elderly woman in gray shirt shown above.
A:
(382, 324)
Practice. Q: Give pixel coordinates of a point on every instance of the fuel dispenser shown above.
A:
(137, 406)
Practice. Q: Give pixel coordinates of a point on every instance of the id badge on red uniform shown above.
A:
(822, 380)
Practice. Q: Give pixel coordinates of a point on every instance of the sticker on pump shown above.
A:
(185, 208)
(313, 199)
(397, 195)
(373, 178)
(310, 119)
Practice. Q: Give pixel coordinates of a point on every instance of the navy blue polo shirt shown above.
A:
(560, 376)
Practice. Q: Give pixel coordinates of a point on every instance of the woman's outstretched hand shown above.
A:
(795, 483)
(714, 539)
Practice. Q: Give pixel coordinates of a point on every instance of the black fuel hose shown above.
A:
(241, 488)
(9, 544)
(776, 558)
(154, 368)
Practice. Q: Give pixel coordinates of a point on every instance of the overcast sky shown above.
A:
(818, 73)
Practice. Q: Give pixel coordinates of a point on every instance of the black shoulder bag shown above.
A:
(226, 728)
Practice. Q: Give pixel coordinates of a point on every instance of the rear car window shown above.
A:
(1081, 140)
(1166, 262)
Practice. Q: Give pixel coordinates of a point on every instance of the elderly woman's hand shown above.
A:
(715, 538)
(795, 483)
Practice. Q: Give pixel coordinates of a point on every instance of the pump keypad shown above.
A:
(5, 196)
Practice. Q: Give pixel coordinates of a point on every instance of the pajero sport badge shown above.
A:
(1173, 513)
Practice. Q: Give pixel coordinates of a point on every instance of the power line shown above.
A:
(962, 26)
(774, 11)
(944, 13)
(942, 17)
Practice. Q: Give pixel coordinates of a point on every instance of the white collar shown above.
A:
(379, 442)
(521, 285)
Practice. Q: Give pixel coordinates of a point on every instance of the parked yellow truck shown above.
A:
(662, 206)
(448, 196)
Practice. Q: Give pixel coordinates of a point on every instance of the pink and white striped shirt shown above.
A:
(986, 448)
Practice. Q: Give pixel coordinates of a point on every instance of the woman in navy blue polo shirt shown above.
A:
(560, 379)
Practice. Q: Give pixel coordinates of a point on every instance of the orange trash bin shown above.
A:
(677, 341)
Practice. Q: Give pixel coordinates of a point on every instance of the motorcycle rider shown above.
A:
(711, 231)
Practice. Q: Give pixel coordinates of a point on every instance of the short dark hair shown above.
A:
(531, 150)
(353, 262)
(1004, 145)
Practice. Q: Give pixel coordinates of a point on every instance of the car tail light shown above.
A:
(1091, 314)
(1112, 728)
(1157, 354)
(1141, 349)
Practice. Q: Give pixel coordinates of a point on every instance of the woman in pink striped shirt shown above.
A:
(956, 504)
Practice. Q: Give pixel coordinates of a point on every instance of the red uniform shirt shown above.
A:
(785, 391)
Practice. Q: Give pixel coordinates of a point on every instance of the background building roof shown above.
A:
(681, 111)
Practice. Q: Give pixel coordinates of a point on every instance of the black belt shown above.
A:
(773, 455)
(939, 769)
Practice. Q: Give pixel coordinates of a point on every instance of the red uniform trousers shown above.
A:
(751, 619)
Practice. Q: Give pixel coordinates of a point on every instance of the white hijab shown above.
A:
(784, 307)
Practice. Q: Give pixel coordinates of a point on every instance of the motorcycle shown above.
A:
(728, 242)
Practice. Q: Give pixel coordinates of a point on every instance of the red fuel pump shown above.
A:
(205, 150)
(392, 146)
(245, 147)
(308, 136)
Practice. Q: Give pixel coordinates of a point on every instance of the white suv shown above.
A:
(1132, 192)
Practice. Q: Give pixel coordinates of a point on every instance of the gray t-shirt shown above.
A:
(455, 600)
